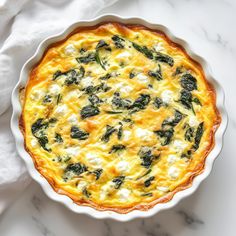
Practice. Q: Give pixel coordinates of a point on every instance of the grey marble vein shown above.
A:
(153, 229)
(190, 219)
(42, 227)
(108, 228)
(217, 39)
(36, 202)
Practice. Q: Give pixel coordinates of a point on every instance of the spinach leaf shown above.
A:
(73, 76)
(57, 74)
(120, 131)
(58, 98)
(86, 59)
(189, 133)
(52, 120)
(178, 70)
(76, 168)
(147, 195)
(77, 133)
(101, 44)
(140, 103)
(147, 157)
(198, 136)
(118, 41)
(89, 111)
(94, 99)
(118, 181)
(147, 172)
(58, 138)
(62, 159)
(106, 77)
(156, 74)
(147, 182)
(188, 82)
(178, 118)
(161, 57)
(47, 99)
(197, 101)
(120, 103)
(158, 102)
(127, 120)
(96, 89)
(109, 131)
(144, 50)
(86, 193)
(114, 112)
(82, 50)
(166, 135)
(174, 121)
(38, 130)
(131, 75)
(164, 58)
(43, 141)
(97, 173)
(99, 60)
(117, 148)
(186, 99)
(38, 125)
(187, 154)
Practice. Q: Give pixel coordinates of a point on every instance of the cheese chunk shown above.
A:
(124, 194)
(193, 122)
(144, 134)
(167, 96)
(173, 172)
(142, 78)
(123, 166)
(94, 159)
(54, 89)
(70, 49)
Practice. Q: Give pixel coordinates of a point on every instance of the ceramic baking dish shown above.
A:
(66, 200)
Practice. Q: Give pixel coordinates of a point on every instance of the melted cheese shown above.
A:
(113, 132)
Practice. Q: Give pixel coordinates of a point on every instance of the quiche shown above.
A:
(118, 117)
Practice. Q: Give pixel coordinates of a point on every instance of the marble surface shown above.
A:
(208, 25)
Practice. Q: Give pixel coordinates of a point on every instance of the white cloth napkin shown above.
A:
(23, 24)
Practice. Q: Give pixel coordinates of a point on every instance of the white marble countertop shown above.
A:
(208, 25)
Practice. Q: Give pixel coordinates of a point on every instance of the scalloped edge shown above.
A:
(65, 199)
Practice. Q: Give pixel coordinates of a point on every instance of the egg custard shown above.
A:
(118, 117)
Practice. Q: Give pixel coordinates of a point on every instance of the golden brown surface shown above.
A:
(140, 87)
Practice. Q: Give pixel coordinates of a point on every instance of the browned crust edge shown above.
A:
(169, 196)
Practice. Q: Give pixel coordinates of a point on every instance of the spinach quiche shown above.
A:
(118, 117)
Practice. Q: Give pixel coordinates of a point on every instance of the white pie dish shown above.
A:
(66, 200)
